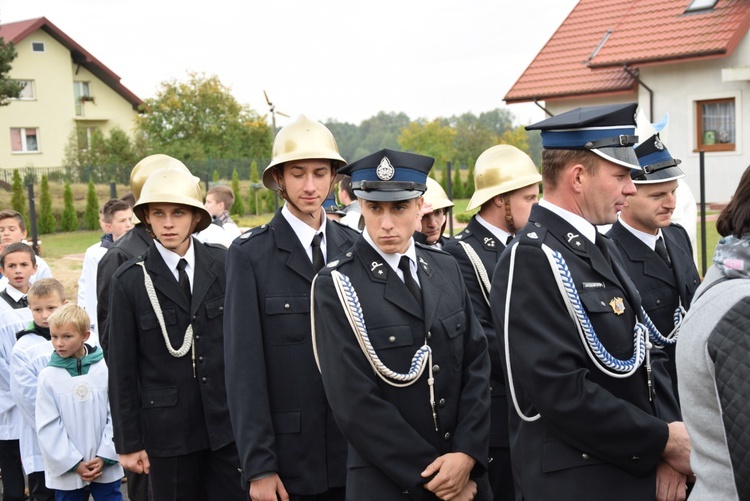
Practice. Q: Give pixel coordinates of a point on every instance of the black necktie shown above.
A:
(24, 301)
(661, 250)
(411, 284)
(508, 240)
(317, 253)
(602, 245)
(183, 279)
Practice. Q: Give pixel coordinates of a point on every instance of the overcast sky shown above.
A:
(342, 59)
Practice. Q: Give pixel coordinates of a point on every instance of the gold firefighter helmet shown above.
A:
(176, 187)
(436, 196)
(147, 166)
(500, 169)
(303, 139)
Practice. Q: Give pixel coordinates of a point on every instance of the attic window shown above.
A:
(37, 46)
(697, 5)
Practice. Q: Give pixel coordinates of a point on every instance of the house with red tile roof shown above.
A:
(688, 59)
(68, 91)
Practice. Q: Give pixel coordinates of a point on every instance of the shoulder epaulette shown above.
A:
(532, 236)
(341, 259)
(342, 225)
(429, 248)
(253, 232)
(128, 264)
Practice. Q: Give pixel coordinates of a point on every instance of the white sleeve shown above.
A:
(10, 323)
(23, 381)
(59, 452)
(42, 270)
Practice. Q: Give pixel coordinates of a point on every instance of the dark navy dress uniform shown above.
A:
(488, 249)
(599, 436)
(280, 415)
(663, 287)
(391, 430)
(158, 403)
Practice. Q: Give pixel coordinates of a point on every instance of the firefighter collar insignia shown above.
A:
(489, 242)
(532, 235)
(574, 240)
(424, 264)
(385, 170)
(374, 265)
(618, 305)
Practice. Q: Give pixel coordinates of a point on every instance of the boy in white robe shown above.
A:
(73, 419)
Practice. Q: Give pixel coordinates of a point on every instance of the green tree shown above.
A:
(69, 220)
(516, 137)
(18, 198)
(104, 158)
(458, 183)
(91, 214)
(238, 207)
(47, 221)
(428, 138)
(444, 177)
(199, 119)
(469, 190)
(378, 132)
(215, 176)
(8, 88)
(252, 196)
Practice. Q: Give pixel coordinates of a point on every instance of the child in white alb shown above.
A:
(73, 419)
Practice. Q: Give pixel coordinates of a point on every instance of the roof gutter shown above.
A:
(549, 113)
(634, 74)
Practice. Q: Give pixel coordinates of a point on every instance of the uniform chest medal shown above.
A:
(618, 305)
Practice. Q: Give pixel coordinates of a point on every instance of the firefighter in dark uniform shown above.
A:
(287, 437)
(657, 253)
(166, 358)
(507, 185)
(593, 413)
(403, 359)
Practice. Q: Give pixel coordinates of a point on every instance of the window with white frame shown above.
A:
(84, 137)
(81, 93)
(24, 140)
(27, 91)
(716, 124)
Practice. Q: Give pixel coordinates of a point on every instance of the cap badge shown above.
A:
(658, 144)
(618, 305)
(385, 170)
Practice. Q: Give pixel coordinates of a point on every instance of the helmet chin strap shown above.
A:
(283, 194)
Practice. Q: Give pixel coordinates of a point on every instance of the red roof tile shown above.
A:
(642, 32)
(15, 32)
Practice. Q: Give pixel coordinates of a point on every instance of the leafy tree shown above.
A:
(215, 176)
(444, 177)
(458, 184)
(91, 215)
(238, 207)
(378, 132)
(18, 199)
(347, 138)
(516, 137)
(472, 136)
(47, 221)
(253, 204)
(69, 220)
(8, 88)
(104, 158)
(199, 118)
(428, 138)
(469, 189)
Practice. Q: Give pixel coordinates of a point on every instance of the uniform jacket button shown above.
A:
(287, 306)
(435, 368)
(584, 456)
(203, 379)
(442, 402)
(200, 359)
(429, 335)
(447, 436)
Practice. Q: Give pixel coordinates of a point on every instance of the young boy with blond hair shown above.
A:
(73, 419)
(31, 354)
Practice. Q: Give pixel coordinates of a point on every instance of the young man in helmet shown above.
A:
(657, 253)
(166, 358)
(593, 416)
(506, 187)
(415, 430)
(288, 441)
(434, 215)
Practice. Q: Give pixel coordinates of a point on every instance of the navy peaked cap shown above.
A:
(658, 164)
(389, 175)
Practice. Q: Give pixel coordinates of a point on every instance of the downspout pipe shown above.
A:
(633, 74)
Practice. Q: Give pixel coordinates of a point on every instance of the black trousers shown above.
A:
(500, 474)
(200, 476)
(38, 491)
(10, 464)
(334, 494)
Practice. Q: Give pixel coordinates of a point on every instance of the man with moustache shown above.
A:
(593, 413)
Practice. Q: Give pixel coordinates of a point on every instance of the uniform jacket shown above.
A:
(132, 244)
(157, 403)
(599, 437)
(391, 431)
(281, 418)
(30, 355)
(662, 288)
(488, 248)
